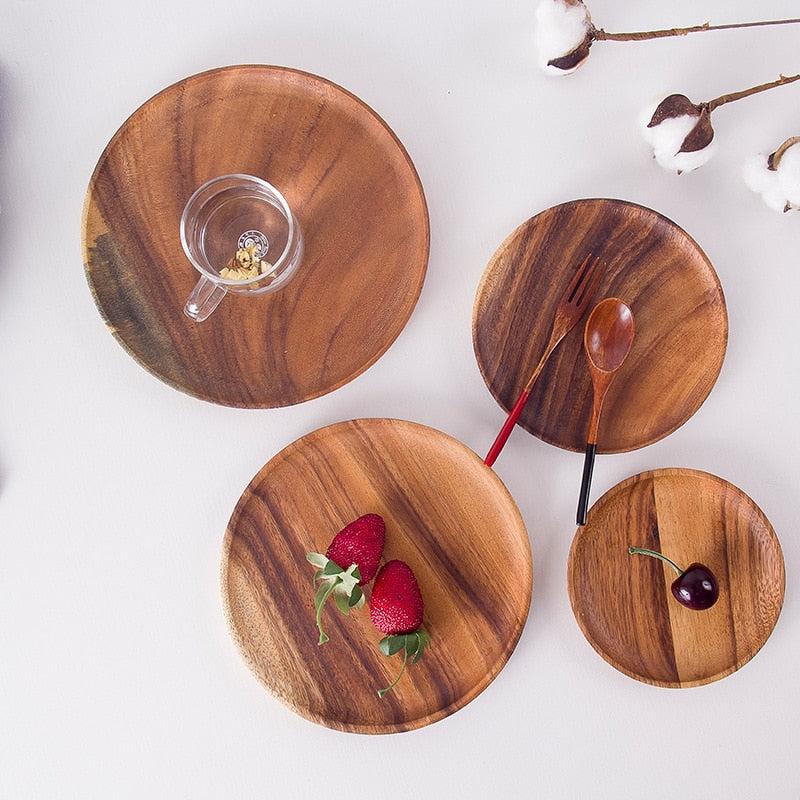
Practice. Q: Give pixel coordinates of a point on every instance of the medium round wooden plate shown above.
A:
(623, 602)
(447, 515)
(651, 264)
(356, 195)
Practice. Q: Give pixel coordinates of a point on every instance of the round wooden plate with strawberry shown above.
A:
(446, 523)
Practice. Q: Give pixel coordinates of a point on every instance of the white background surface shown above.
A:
(117, 675)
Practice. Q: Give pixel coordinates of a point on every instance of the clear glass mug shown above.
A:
(241, 236)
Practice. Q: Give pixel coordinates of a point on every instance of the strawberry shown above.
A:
(350, 561)
(396, 608)
(360, 542)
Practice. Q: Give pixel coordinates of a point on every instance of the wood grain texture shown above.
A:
(354, 191)
(654, 267)
(447, 515)
(623, 602)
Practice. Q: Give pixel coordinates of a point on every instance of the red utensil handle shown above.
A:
(508, 426)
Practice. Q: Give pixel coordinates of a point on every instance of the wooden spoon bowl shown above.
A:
(607, 341)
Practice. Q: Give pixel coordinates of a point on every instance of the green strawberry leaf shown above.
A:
(342, 598)
(423, 640)
(413, 646)
(357, 598)
(390, 645)
(316, 559)
(333, 580)
(331, 568)
(322, 594)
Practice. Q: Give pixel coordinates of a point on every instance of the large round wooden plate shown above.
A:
(651, 264)
(623, 602)
(447, 515)
(356, 195)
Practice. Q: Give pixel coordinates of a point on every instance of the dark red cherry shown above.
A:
(695, 587)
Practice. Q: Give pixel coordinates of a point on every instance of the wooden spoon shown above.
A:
(607, 340)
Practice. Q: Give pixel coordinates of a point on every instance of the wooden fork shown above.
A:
(570, 309)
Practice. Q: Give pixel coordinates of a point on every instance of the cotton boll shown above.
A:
(667, 138)
(688, 162)
(779, 186)
(764, 181)
(757, 174)
(560, 29)
(788, 172)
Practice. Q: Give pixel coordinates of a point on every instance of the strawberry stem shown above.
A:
(382, 692)
(412, 644)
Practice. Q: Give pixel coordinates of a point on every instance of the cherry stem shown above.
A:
(601, 35)
(653, 553)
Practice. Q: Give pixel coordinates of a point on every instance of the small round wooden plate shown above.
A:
(447, 515)
(623, 602)
(353, 188)
(651, 264)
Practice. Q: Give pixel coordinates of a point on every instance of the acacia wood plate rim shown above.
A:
(515, 302)
(434, 495)
(593, 604)
(159, 338)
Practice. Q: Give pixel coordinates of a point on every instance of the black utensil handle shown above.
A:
(586, 482)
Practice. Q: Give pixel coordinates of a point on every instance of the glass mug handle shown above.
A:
(205, 297)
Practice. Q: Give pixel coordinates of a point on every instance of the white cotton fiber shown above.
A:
(764, 181)
(789, 174)
(560, 28)
(778, 187)
(666, 139)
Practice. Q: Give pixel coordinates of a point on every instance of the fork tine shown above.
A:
(592, 278)
(577, 278)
